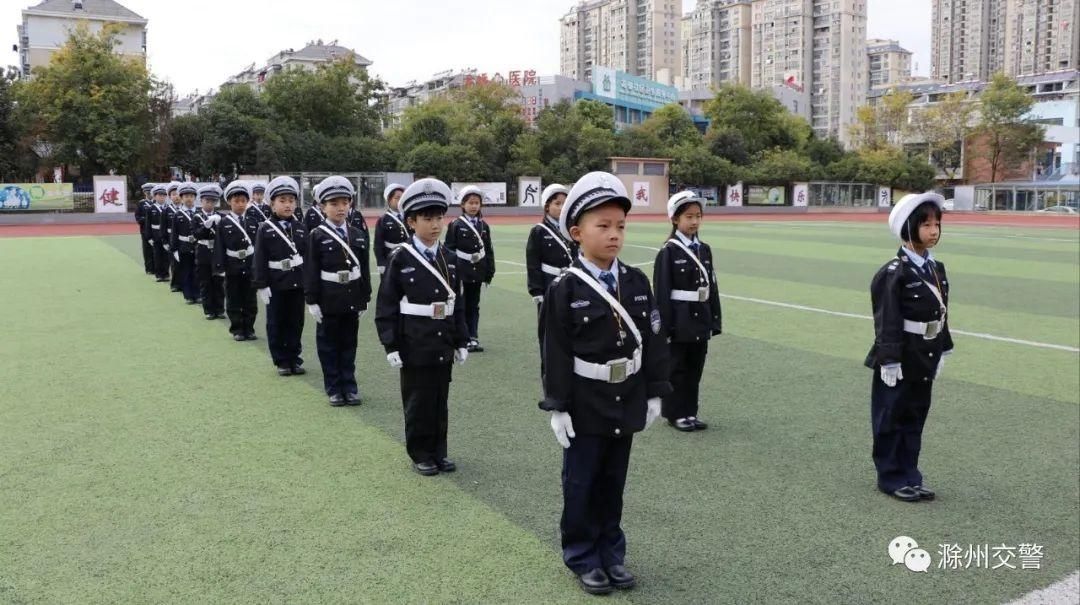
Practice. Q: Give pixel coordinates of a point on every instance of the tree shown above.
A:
(1009, 136)
(90, 104)
(781, 166)
(945, 127)
(9, 133)
(762, 122)
(694, 165)
(885, 124)
(336, 98)
(672, 126)
(570, 140)
(187, 135)
(235, 121)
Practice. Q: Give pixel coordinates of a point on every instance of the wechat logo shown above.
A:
(903, 549)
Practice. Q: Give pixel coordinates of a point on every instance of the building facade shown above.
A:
(888, 63)
(640, 37)
(716, 44)
(46, 26)
(309, 57)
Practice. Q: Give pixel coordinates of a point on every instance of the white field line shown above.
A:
(1063, 591)
(774, 303)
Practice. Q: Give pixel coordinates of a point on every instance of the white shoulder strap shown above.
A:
(470, 225)
(559, 239)
(239, 226)
(398, 221)
(341, 242)
(602, 291)
(423, 261)
(288, 240)
(691, 254)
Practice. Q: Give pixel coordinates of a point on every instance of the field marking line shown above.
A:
(1066, 590)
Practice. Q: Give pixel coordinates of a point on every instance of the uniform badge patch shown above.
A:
(641, 298)
(580, 304)
(408, 269)
(680, 261)
(654, 319)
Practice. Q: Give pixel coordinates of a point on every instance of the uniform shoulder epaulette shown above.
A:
(892, 266)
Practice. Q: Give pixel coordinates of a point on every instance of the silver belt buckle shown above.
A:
(475, 257)
(617, 371)
(702, 294)
(343, 276)
(933, 328)
(286, 264)
(438, 310)
(241, 254)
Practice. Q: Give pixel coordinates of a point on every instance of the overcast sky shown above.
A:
(197, 44)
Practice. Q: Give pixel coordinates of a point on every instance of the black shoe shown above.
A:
(174, 289)
(162, 279)
(239, 337)
(682, 424)
(924, 492)
(251, 337)
(219, 316)
(298, 370)
(211, 316)
(619, 577)
(426, 468)
(337, 400)
(446, 465)
(352, 399)
(284, 371)
(477, 347)
(905, 494)
(192, 302)
(699, 425)
(472, 346)
(595, 582)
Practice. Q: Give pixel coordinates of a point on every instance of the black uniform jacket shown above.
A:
(231, 237)
(543, 248)
(900, 291)
(165, 222)
(312, 218)
(183, 226)
(390, 232)
(154, 230)
(204, 238)
(460, 237)
(325, 254)
(576, 321)
(421, 341)
(674, 269)
(270, 247)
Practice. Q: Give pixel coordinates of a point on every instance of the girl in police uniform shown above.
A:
(684, 281)
(469, 241)
(546, 252)
(910, 297)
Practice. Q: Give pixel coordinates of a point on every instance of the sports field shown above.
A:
(146, 457)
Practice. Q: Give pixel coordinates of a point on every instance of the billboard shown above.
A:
(621, 86)
(757, 195)
(494, 193)
(37, 196)
(529, 191)
(110, 194)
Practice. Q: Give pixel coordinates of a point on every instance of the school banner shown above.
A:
(494, 193)
(735, 195)
(529, 191)
(800, 195)
(639, 195)
(37, 196)
(110, 194)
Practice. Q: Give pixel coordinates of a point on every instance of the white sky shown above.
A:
(197, 44)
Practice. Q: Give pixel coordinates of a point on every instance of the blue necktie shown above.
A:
(341, 231)
(608, 279)
(430, 256)
(694, 247)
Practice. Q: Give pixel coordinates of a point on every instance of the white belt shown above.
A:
(390, 246)
(241, 254)
(699, 295)
(287, 264)
(341, 277)
(155, 226)
(472, 258)
(187, 239)
(439, 310)
(209, 243)
(928, 330)
(550, 269)
(612, 372)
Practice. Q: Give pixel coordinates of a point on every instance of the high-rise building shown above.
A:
(47, 25)
(816, 46)
(640, 37)
(888, 63)
(973, 39)
(716, 44)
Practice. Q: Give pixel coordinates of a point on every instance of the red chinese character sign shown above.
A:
(515, 78)
(640, 193)
(735, 195)
(110, 194)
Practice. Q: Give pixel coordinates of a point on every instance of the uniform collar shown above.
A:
(684, 239)
(551, 222)
(344, 224)
(419, 245)
(596, 271)
(915, 258)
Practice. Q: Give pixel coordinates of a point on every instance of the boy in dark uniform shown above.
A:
(337, 286)
(211, 286)
(166, 231)
(183, 244)
(154, 221)
(546, 252)
(390, 231)
(605, 370)
(684, 282)
(234, 247)
(468, 239)
(422, 326)
(356, 218)
(142, 209)
(314, 216)
(910, 297)
(278, 276)
(256, 212)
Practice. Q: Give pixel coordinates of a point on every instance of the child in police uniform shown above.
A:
(278, 275)
(182, 242)
(256, 211)
(605, 370)
(910, 298)
(684, 282)
(141, 212)
(546, 252)
(468, 239)
(211, 287)
(167, 214)
(422, 325)
(154, 223)
(234, 248)
(390, 231)
(337, 287)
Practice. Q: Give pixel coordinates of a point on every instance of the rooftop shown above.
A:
(89, 9)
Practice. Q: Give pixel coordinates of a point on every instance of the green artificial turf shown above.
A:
(145, 457)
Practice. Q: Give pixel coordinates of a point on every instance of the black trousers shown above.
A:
(285, 326)
(174, 270)
(897, 417)
(147, 254)
(335, 341)
(593, 479)
(471, 296)
(189, 284)
(425, 391)
(240, 304)
(161, 261)
(211, 289)
(687, 364)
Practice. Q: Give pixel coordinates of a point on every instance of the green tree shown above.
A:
(187, 135)
(336, 98)
(235, 121)
(566, 143)
(945, 127)
(1009, 136)
(672, 126)
(762, 122)
(694, 165)
(9, 132)
(781, 166)
(886, 123)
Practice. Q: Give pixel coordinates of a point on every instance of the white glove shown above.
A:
(222, 274)
(316, 312)
(176, 255)
(563, 427)
(653, 412)
(538, 299)
(395, 360)
(264, 295)
(891, 373)
(382, 270)
(940, 364)
(212, 220)
(461, 355)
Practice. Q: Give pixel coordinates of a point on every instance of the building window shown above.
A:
(654, 169)
(626, 168)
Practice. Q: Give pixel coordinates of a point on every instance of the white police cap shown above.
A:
(211, 191)
(907, 204)
(282, 185)
(681, 199)
(470, 190)
(425, 193)
(147, 186)
(173, 186)
(258, 186)
(390, 189)
(334, 187)
(161, 188)
(188, 187)
(237, 188)
(588, 192)
(551, 191)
